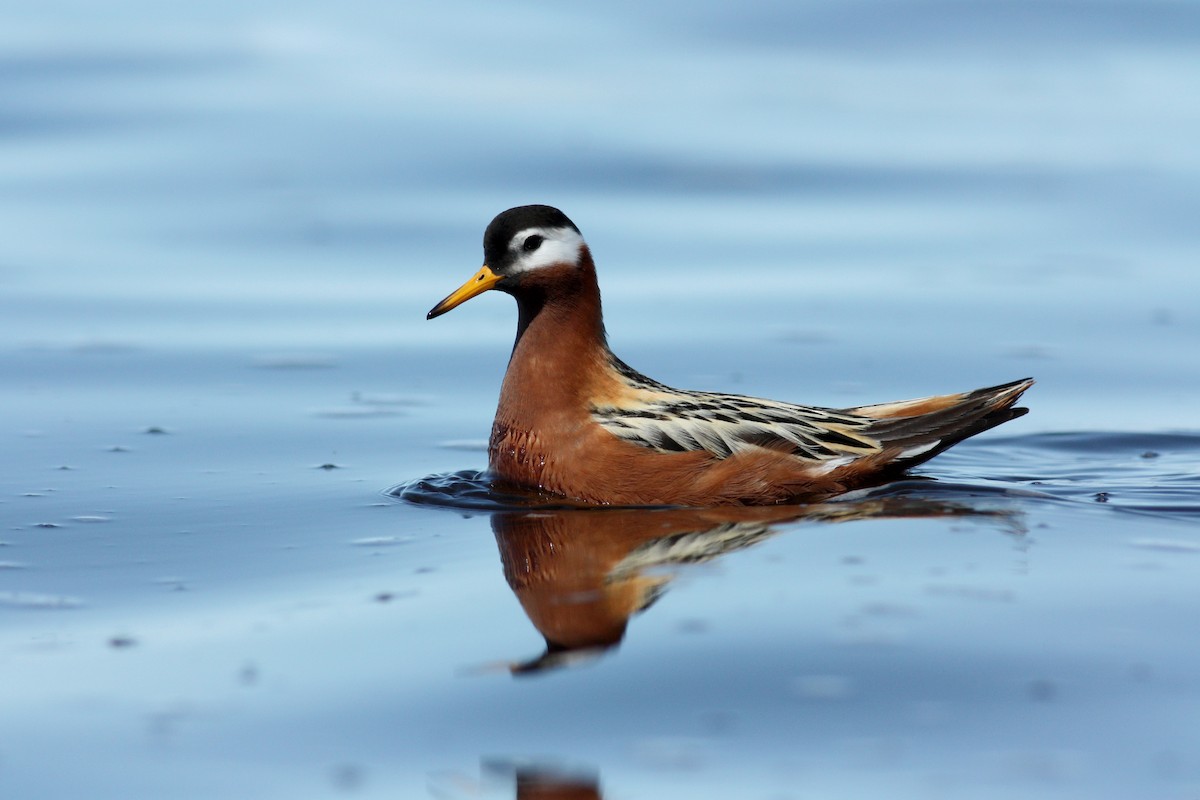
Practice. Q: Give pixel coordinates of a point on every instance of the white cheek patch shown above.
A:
(559, 246)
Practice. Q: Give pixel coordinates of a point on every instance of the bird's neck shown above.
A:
(561, 349)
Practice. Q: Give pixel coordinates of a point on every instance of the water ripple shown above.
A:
(1151, 473)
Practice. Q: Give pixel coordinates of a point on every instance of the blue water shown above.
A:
(224, 225)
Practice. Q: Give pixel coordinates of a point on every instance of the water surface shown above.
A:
(224, 226)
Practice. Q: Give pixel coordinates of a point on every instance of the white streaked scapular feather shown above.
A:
(919, 449)
(829, 466)
(671, 420)
(560, 246)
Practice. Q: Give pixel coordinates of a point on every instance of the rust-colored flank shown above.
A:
(575, 420)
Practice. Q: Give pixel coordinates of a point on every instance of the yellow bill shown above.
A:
(479, 283)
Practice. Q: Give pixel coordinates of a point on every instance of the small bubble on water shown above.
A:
(381, 541)
(91, 518)
(468, 445)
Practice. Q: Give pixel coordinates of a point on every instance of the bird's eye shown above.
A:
(532, 243)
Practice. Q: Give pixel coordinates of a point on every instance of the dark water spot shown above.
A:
(348, 777)
(1141, 672)
(329, 465)
(248, 675)
(387, 597)
(121, 642)
(1042, 690)
(155, 430)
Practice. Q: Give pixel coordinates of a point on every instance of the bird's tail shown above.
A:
(913, 431)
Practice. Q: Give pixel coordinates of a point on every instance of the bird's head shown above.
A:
(521, 247)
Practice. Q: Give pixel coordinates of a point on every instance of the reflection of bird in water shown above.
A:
(580, 575)
(577, 421)
(535, 784)
(534, 781)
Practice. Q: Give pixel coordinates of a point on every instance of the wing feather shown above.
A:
(670, 420)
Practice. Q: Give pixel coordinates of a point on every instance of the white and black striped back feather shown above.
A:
(672, 421)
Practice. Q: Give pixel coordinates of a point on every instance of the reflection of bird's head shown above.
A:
(580, 575)
(556, 657)
(559, 566)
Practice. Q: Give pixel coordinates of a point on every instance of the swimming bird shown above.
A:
(575, 420)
